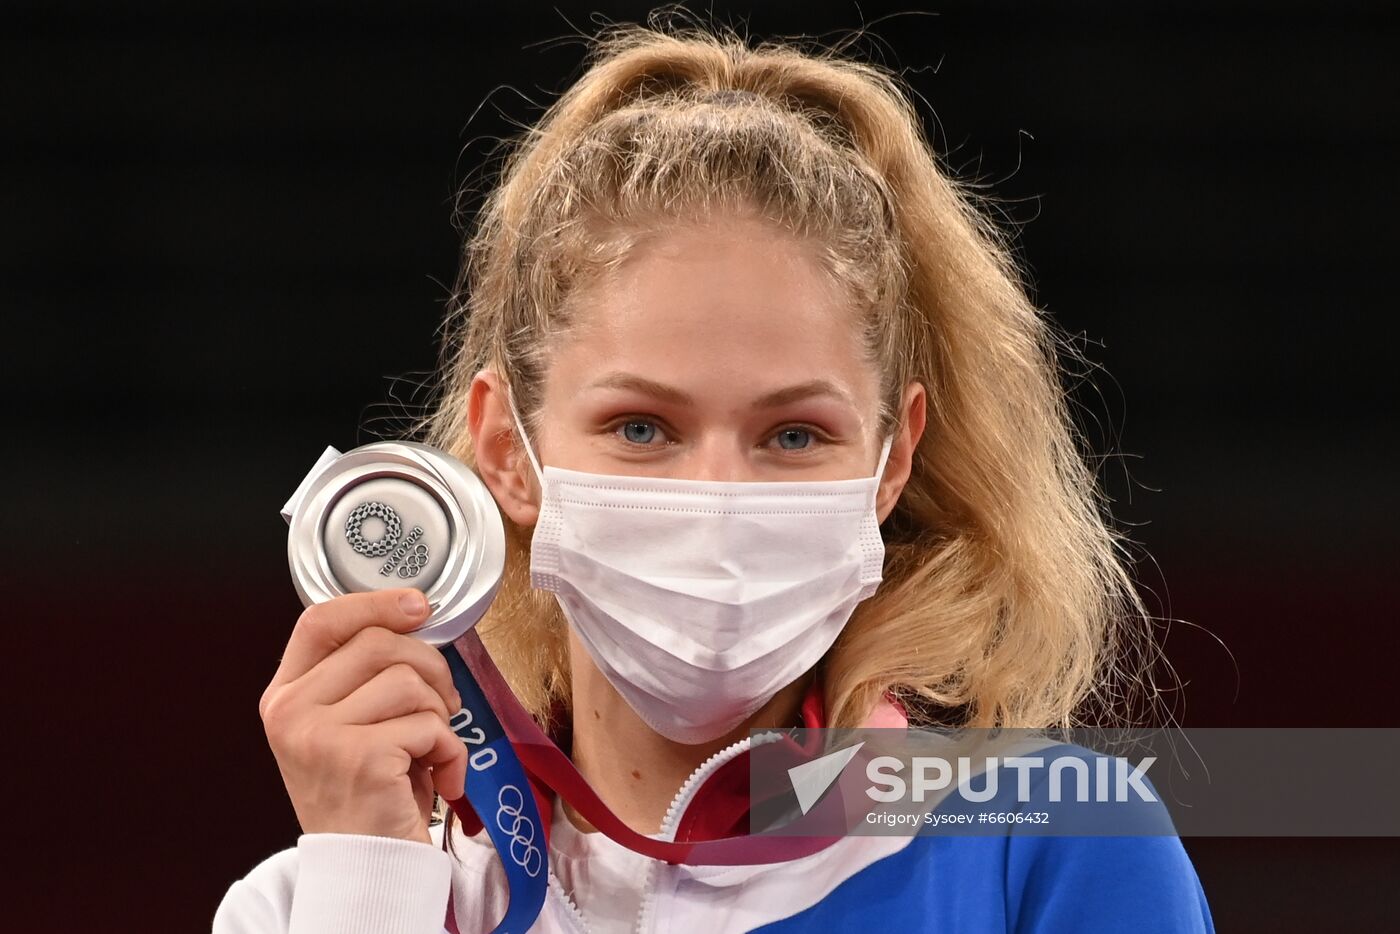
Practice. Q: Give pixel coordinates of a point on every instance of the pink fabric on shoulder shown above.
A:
(888, 713)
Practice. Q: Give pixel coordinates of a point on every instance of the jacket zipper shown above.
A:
(580, 923)
(678, 805)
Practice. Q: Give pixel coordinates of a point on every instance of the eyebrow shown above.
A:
(784, 396)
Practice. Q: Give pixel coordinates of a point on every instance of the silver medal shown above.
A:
(397, 514)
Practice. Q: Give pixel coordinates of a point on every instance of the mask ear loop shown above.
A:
(884, 456)
(524, 438)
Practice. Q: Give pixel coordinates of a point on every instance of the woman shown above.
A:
(721, 265)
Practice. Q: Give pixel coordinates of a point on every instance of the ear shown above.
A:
(501, 461)
(906, 439)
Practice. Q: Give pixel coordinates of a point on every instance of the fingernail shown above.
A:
(414, 604)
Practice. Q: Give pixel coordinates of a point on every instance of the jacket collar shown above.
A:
(720, 806)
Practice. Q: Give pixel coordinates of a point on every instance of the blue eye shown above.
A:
(639, 432)
(794, 439)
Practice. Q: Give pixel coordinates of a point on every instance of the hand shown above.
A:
(357, 717)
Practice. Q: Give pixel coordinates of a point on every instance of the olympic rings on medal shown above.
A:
(521, 829)
(414, 561)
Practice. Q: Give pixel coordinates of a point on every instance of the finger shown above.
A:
(395, 692)
(370, 651)
(423, 736)
(324, 627)
(449, 764)
(450, 775)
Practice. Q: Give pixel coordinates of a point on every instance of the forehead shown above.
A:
(730, 309)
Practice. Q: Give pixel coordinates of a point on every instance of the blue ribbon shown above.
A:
(500, 793)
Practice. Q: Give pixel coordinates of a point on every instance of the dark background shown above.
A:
(227, 243)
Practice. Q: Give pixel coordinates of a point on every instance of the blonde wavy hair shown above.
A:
(1006, 599)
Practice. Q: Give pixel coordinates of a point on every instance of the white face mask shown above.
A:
(701, 599)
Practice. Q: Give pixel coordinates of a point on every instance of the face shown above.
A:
(715, 352)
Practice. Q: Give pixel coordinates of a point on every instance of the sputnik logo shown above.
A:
(810, 780)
